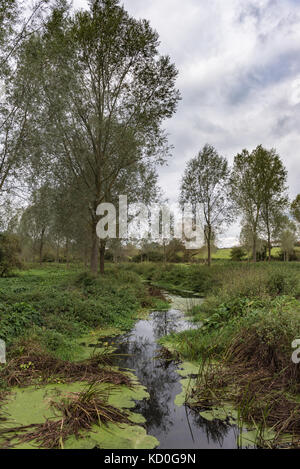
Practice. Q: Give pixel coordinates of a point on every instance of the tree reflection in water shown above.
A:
(174, 426)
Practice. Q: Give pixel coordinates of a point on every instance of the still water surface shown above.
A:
(175, 427)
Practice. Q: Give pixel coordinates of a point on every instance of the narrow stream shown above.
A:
(175, 427)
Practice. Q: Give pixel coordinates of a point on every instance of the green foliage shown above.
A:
(71, 59)
(9, 250)
(257, 301)
(282, 283)
(295, 208)
(237, 254)
(16, 318)
(58, 305)
(192, 278)
(205, 182)
(258, 188)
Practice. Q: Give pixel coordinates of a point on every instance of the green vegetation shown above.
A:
(60, 313)
(184, 278)
(55, 306)
(52, 319)
(206, 182)
(9, 251)
(244, 346)
(240, 357)
(237, 254)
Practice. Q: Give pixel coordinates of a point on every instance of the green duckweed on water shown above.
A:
(250, 437)
(31, 405)
(184, 304)
(187, 370)
(85, 349)
(226, 412)
(114, 436)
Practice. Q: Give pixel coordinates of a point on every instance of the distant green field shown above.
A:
(224, 253)
(275, 252)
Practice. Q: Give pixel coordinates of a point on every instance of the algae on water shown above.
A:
(31, 405)
(187, 370)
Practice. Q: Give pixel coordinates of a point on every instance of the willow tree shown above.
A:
(295, 208)
(258, 187)
(15, 91)
(104, 91)
(288, 240)
(275, 198)
(11, 117)
(205, 182)
(9, 13)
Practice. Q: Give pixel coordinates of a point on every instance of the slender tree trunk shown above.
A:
(254, 248)
(42, 245)
(67, 251)
(209, 246)
(94, 251)
(208, 253)
(57, 251)
(85, 256)
(102, 254)
(269, 243)
(270, 250)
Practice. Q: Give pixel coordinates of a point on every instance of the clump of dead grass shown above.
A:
(156, 292)
(35, 365)
(259, 380)
(77, 412)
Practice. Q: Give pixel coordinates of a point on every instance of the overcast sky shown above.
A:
(239, 76)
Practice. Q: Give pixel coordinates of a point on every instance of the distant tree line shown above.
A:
(253, 190)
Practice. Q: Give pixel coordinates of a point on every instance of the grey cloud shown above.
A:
(249, 10)
(261, 76)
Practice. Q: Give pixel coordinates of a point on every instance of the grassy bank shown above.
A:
(51, 319)
(55, 305)
(244, 347)
(179, 277)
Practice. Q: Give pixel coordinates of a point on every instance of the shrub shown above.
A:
(9, 251)
(48, 257)
(282, 283)
(237, 254)
(292, 255)
(85, 279)
(16, 318)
